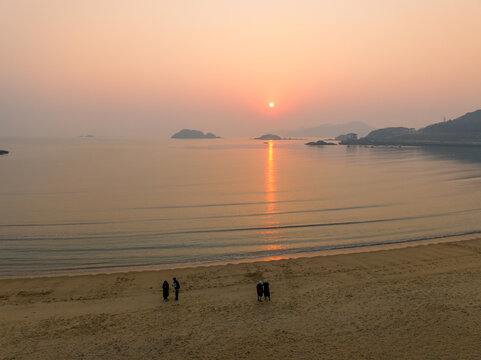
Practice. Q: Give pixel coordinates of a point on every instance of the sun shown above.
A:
(271, 104)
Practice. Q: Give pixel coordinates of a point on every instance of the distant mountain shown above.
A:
(390, 132)
(331, 130)
(463, 131)
(193, 134)
(470, 122)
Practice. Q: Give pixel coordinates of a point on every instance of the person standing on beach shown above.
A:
(165, 290)
(267, 291)
(176, 286)
(260, 291)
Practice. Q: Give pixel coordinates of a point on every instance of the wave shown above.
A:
(242, 229)
(274, 213)
(246, 257)
(202, 245)
(297, 226)
(195, 206)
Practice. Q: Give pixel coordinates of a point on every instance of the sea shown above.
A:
(81, 205)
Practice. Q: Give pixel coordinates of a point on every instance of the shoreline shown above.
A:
(416, 302)
(328, 251)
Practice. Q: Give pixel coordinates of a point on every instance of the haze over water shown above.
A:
(101, 204)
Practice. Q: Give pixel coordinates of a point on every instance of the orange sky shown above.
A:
(151, 67)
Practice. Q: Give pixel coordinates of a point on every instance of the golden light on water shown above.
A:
(270, 176)
(271, 236)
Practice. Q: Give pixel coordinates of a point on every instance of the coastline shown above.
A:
(326, 251)
(419, 302)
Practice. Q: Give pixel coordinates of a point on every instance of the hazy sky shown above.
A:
(113, 67)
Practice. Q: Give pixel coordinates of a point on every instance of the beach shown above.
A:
(416, 302)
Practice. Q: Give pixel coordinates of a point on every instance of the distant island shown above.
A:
(268, 137)
(193, 134)
(87, 136)
(3, 152)
(273, 137)
(346, 137)
(463, 131)
(325, 131)
(319, 142)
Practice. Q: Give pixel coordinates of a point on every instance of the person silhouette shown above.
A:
(267, 291)
(176, 286)
(165, 290)
(260, 291)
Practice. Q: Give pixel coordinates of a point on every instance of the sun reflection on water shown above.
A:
(271, 236)
(270, 179)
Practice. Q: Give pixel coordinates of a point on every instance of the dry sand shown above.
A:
(420, 302)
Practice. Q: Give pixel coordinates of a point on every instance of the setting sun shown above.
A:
(271, 104)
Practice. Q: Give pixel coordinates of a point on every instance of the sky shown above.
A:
(153, 67)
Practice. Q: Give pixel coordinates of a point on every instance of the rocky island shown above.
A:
(3, 152)
(193, 134)
(274, 137)
(463, 131)
(346, 137)
(319, 142)
(268, 137)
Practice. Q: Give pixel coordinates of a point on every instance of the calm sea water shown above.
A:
(101, 204)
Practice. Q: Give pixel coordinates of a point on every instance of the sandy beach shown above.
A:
(421, 302)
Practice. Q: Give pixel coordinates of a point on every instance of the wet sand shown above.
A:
(421, 302)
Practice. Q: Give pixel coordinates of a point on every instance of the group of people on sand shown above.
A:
(165, 289)
(262, 290)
